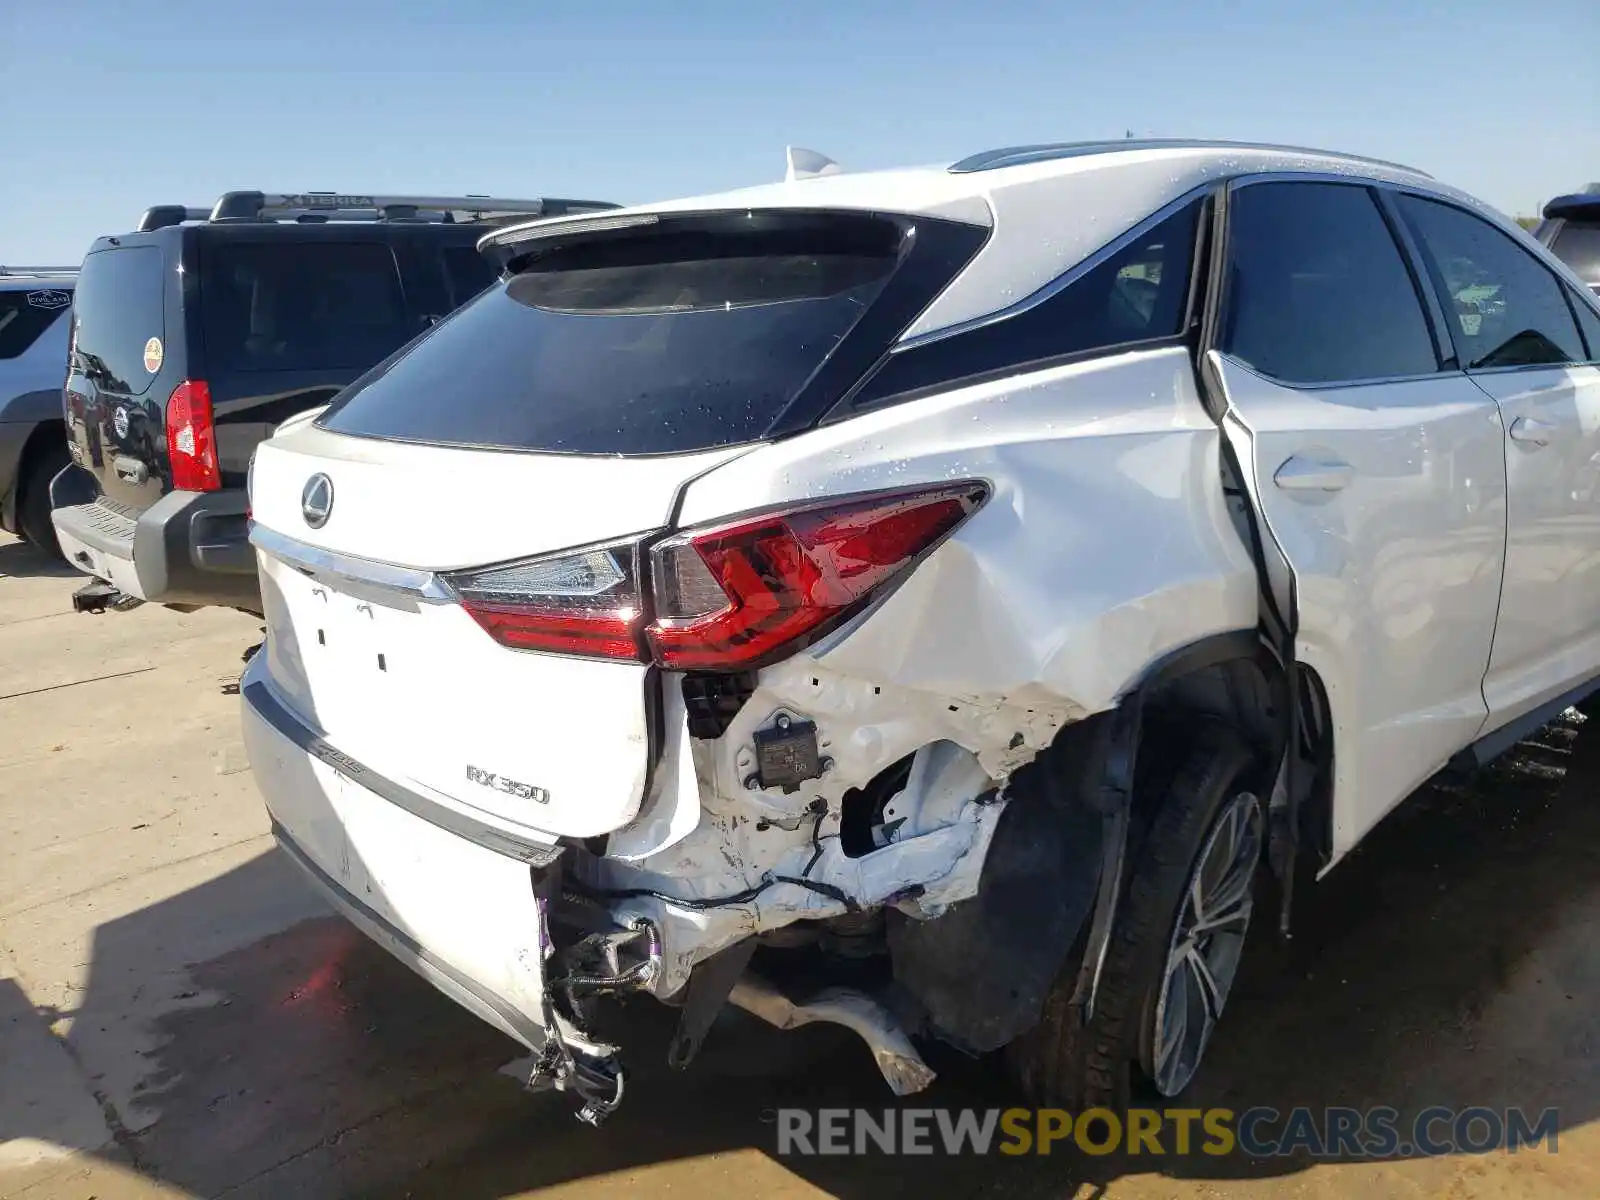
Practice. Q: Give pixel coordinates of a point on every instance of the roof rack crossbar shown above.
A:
(275, 206)
(1013, 156)
(36, 272)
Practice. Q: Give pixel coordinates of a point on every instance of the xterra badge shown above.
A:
(511, 787)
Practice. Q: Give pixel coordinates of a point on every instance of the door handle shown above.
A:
(1298, 474)
(1531, 431)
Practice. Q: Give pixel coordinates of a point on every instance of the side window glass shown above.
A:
(1505, 307)
(1139, 294)
(119, 305)
(26, 315)
(1318, 292)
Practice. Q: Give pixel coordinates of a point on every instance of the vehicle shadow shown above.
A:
(20, 560)
(1449, 962)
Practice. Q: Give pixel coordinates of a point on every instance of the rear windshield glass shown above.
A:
(25, 315)
(118, 307)
(1578, 245)
(683, 336)
(309, 306)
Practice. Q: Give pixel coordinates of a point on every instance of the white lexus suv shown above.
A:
(944, 601)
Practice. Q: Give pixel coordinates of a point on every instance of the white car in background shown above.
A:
(925, 599)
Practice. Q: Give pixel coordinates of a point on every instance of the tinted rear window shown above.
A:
(118, 307)
(309, 306)
(683, 336)
(26, 315)
(1578, 245)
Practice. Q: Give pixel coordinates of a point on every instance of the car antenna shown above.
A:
(808, 164)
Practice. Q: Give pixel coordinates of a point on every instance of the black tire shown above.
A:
(33, 499)
(1183, 788)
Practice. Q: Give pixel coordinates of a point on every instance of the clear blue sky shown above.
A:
(113, 105)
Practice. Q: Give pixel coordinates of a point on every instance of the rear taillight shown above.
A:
(579, 602)
(192, 438)
(723, 598)
(745, 594)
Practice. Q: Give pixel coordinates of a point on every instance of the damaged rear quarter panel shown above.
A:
(1104, 544)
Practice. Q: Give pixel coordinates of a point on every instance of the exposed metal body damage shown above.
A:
(920, 712)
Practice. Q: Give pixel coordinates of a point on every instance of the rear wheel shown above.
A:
(1177, 940)
(33, 500)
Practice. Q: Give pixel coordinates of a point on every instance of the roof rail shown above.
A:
(1014, 156)
(324, 206)
(36, 272)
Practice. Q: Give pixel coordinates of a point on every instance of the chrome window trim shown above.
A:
(1341, 384)
(1067, 278)
(332, 566)
(1513, 370)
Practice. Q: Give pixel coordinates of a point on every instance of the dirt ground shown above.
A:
(180, 1016)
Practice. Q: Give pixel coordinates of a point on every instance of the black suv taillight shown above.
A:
(192, 438)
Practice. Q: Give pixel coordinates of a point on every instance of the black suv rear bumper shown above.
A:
(187, 549)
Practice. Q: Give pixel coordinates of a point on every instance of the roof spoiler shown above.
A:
(1579, 205)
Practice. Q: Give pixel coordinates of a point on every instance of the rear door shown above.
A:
(115, 401)
(1517, 333)
(1377, 467)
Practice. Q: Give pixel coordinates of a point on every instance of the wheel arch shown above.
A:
(48, 432)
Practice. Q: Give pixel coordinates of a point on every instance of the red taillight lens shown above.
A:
(192, 438)
(742, 595)
(577, 602)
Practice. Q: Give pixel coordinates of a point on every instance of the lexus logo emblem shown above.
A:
(316, 502)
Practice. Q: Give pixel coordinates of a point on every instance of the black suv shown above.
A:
(195, 336)
(1571, 228)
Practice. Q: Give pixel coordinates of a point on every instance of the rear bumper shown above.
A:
(461, 914)
(188, 548)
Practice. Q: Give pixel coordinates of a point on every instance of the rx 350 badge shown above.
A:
(511, 787)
